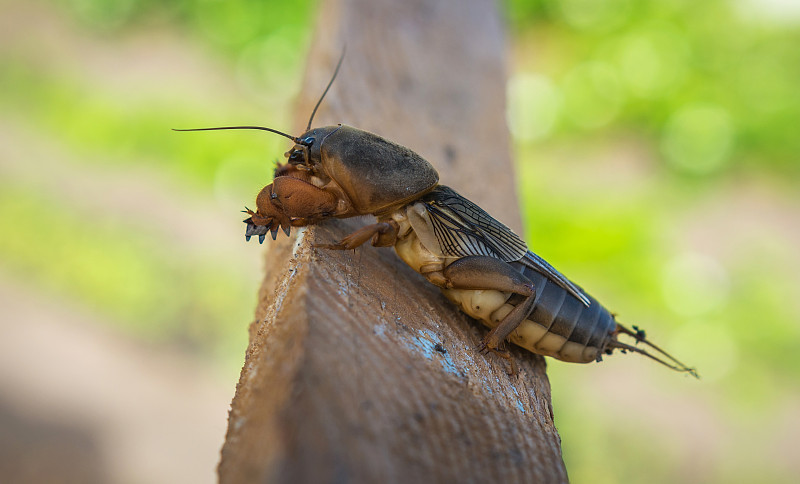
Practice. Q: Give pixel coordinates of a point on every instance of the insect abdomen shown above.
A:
(575, 332)
(559, 325)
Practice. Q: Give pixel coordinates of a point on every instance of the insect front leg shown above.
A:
(483, 272)
(289, 201)
(303, 202)
(382, 234)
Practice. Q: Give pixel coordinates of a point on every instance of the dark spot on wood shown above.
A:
(449, 154)
(516, 456)
(438, 347)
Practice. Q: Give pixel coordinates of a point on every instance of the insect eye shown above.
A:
(308, 141)
(296, 155)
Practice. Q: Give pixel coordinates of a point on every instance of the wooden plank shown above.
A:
(358, 370)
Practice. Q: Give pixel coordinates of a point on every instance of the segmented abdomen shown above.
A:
(574, 332)
(559, 325)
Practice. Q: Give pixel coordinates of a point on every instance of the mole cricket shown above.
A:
(478, 263)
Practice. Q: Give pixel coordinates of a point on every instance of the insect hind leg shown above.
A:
(489, 273)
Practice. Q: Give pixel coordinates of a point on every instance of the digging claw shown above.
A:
(261, 238)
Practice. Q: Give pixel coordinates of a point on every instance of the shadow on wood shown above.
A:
(358, 370)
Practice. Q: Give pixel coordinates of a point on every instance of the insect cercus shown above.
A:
(479, 263)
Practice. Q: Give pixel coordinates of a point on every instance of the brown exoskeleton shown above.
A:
(479, 263)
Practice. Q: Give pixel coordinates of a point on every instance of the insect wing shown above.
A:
(541, 266)
(463, 229)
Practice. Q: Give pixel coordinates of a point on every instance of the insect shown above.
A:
(479, 263)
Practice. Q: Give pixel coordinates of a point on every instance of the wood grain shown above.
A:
(358, 370)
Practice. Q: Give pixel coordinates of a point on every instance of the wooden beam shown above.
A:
(358, 370)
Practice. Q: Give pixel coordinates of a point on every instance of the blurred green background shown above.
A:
(659, 166)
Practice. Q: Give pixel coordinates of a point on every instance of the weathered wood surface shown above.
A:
(358, 370)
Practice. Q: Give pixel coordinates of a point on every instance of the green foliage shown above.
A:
(711, 84)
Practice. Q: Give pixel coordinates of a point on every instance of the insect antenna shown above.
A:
(293, 138)
(639, 337)
(271, 130)
(338, 65)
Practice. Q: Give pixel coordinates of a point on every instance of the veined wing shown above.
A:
(464, 229)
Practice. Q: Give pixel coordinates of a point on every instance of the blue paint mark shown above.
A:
(424, 342)
(520, 405)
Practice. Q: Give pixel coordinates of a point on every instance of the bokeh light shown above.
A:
(533, 106)
(694, 284)
(588, 14)
(653, 59)
(593, 94)
(698, 139)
